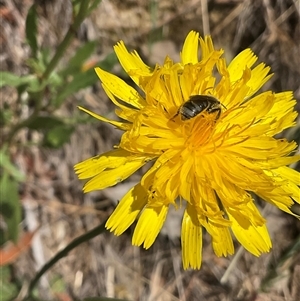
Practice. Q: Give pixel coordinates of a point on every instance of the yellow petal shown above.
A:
(284, 103)
(191, 239)
(166, 181)
(222, 241)
(259, 76)
(127, 210)
(290, 174)
(149, 225)
(273, 163)
(186, 178)
(176, 89)
(207, 47)
(110, 177)
(95, 165)
(254, 239)
(120, 89)
(131, 61)
(189, 54)
(237, 66)
(120, 125)
(284, 203)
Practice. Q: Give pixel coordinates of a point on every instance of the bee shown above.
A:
(198, 104)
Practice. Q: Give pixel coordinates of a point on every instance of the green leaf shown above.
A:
(110, 60)
(53, 82)
(10, 79)
(80, 81)
(78, 59)
(5, 115)
(8, 290)
(57, 136)
(83, 79)
(9, 168)
(31, 29)
(3, 239)
(57, 284)
(34, 86)
(93, 5)
(45, 123)
(10, 205)
(76, 6)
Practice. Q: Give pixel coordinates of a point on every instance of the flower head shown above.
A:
(211, 153)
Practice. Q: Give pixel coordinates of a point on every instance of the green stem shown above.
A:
(75, 243)
(83, 9)
(67, 39)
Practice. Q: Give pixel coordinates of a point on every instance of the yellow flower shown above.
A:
(211, 161)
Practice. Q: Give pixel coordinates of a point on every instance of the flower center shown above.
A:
(199, 132)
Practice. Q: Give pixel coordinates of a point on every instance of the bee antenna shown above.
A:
(223, 106)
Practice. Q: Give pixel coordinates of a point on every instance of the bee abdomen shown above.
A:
(190, 110)
(198, 104)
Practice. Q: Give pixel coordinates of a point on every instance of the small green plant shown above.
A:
(51, 79)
